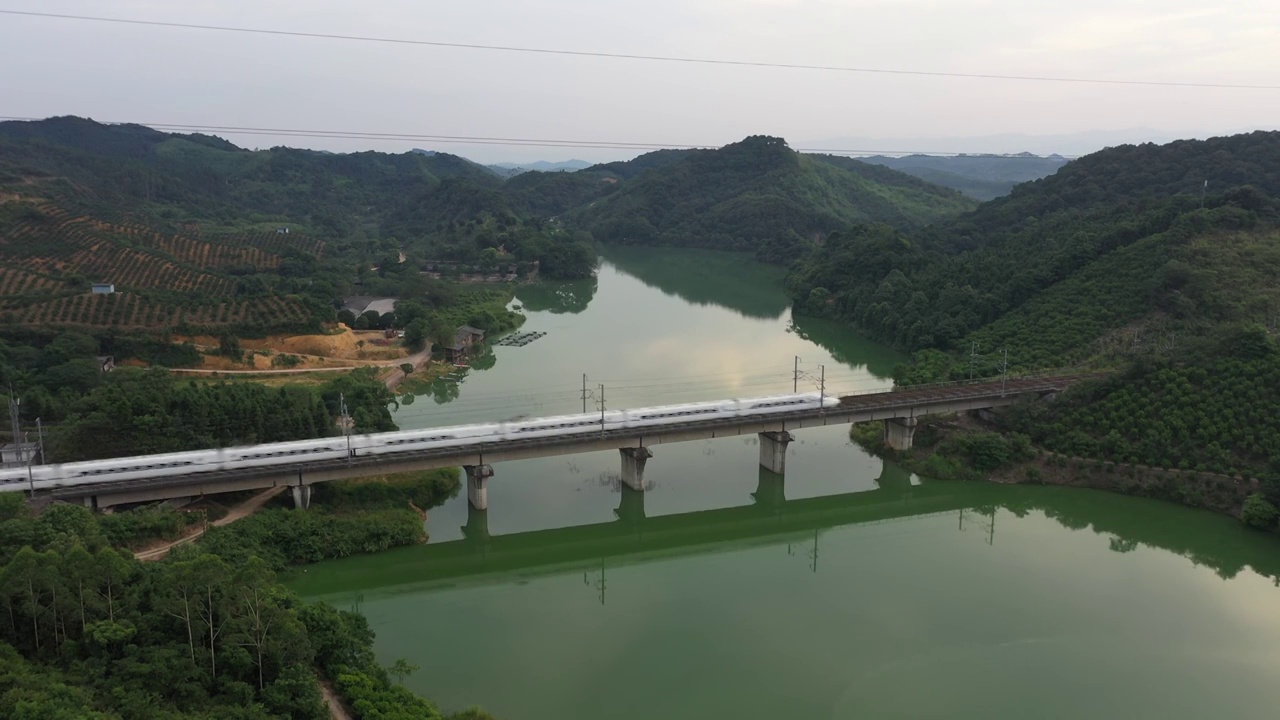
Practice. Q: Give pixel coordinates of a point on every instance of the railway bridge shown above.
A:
(897, 409)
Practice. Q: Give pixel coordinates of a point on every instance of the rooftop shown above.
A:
(362, 304)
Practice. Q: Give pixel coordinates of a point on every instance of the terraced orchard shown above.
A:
(49, 255)
(126, 310)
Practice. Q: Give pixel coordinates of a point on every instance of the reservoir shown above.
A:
(847, 589)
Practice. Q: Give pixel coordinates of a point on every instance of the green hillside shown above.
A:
(199, 179)
(1115, 262)
(761, 196)
(935, 287)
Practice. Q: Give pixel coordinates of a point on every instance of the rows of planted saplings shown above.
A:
(128, 310)
(17, 282)
(197, 253)
(121, 310)
(57, 242)
(39, 245)
(108, 262)
(274, 242)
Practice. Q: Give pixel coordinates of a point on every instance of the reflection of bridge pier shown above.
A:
(476, 531)
(771, 490)
(894, 479)
(631, 507)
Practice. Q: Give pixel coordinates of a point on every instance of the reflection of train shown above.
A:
(337, 448)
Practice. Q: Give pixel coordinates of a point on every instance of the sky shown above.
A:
(114, 72)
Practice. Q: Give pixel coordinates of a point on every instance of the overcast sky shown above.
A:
(164, 75)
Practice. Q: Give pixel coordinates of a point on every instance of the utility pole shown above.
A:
(14, 404)
(822, 387)
(795, 377)
(346, 422)
(584, 393)
(602, 408)
(40, 436)
(973, 357)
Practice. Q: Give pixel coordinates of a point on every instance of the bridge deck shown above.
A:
(913, 402)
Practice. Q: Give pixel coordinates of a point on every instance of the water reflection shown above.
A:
(771, 519)
(558, 297)
(844, 345)
(448, 387)
(706, 277)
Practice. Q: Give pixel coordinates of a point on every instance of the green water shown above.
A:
(849, 589)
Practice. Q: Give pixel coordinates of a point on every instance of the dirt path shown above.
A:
(277, 371)
(244, 509)
(336, 710)
(417, 359)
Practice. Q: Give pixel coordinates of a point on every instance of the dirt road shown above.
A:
(244, 509)
(417, 359)
(336, 711)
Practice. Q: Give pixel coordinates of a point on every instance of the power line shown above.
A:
(482, 140)
(630, 56)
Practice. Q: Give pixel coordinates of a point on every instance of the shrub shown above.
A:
(1259, 513)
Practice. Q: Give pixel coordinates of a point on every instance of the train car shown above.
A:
(19, 475)
(251, 456)
(563, 425)
(412, 440)
(134, 468)
(784, 403)
(672, 414)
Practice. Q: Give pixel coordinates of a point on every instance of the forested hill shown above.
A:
(202, 179)
(1064, 262)
(759, 195)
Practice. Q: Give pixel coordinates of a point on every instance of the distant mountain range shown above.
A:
(983, 177)
(509, 169)
(1066, 144)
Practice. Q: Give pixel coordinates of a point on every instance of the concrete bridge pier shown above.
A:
(301, 496)
(478, 485)
(633, 460)
(898, 433)
(771, 490)
(773, 451)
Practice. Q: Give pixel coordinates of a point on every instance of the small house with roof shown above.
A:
(103, 288)
(464, 340)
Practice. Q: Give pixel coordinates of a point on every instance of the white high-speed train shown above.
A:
(336, 448)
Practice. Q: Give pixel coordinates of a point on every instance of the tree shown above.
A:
(402, 668)
(229, 346)
(254, 585)
(406, 368)
(81, 572)
(346, 317)
(1259, 513)
(113, 575)
(24, 577)
(415, 334)
(362, 323)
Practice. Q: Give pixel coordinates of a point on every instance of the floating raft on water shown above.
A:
(520, 339)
